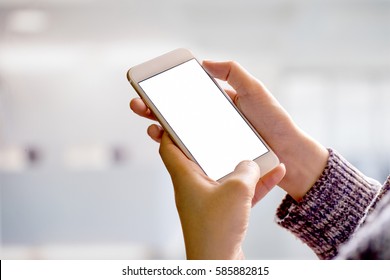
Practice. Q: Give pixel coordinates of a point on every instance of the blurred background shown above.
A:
(80, 179)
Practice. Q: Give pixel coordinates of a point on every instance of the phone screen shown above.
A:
(203, 118)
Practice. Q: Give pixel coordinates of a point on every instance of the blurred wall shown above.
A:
(79, 178)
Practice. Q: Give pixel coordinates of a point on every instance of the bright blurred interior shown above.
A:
(79, 177)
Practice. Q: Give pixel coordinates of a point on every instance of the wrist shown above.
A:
(204, 244)
(213, 250)
(305, 160)
(209, 254)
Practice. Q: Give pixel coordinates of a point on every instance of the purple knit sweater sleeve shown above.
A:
(332, 209)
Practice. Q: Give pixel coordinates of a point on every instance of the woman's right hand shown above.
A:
(303, 157)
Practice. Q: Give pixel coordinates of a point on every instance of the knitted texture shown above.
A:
(332, 209)
(372, 240)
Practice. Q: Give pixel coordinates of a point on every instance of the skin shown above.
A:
(214, 215)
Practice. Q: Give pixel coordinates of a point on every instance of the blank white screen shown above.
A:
(203, 118)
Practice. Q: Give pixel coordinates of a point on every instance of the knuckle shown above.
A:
(234, 63)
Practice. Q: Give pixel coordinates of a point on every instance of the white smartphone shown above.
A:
(198, 115)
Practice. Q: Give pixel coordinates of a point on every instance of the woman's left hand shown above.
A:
(214, 215)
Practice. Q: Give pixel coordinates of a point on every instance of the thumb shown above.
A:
(245, 175)
(268, 181)
(233, 73)
(248, 171)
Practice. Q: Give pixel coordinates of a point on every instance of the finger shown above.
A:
(155, 132)
(267, 182)
(231, 93)
(248, 171)
(170, 153)
(178, 165)
(257, 104)
(138, 106)
(233, 73)
(242, 181)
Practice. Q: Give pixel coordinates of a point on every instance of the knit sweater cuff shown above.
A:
(332, 209)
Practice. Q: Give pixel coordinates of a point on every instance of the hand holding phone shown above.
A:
(198, 115)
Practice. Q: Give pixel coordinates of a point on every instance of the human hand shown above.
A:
(214, 215)
(303, 157)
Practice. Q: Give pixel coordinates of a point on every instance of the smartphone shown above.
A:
(198, 115)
